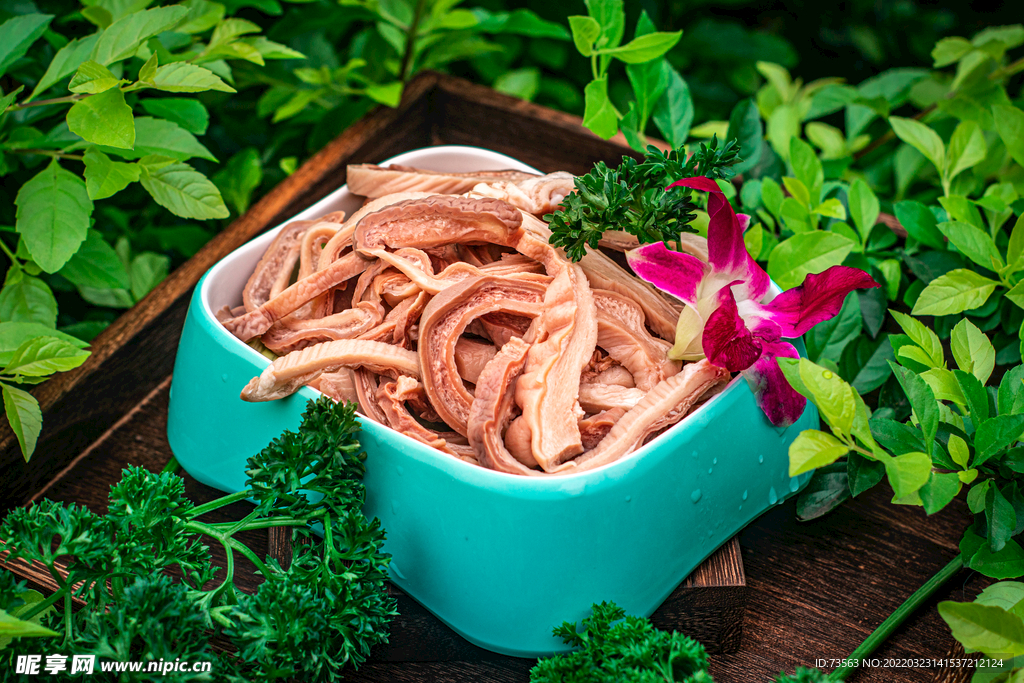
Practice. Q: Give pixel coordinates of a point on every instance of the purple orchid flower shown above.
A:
(726, 318)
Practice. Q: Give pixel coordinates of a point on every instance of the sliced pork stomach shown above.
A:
(290, 334)
(370, 180)
(288, 373)
(664, 405)
(538, 195)
(622, 334)
(274, 270)
(566, 336)
(444, 320)
(438, 221)
(259, 320)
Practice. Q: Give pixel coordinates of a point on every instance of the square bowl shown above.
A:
(499, 558)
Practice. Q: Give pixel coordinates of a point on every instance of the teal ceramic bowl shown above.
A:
(499, 558)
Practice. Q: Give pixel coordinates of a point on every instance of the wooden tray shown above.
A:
(112, 411)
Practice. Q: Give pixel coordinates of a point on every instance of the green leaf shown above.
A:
(972, 350)
(826, 491)
(862, 473)
(64, 63)
(975, 395)
(164, 138)
(892, 273)
(958, 451)
(96, 265)
(181, 189)
(28, 300)
(995, 435)
(832, 396)
(924, 337)
(864, 208)
(950, 50)
(8, 99)
(973, 243)
(147, 271)
(940, 490)
(13, 335)
(185, 77)
(104, 119)
(807, 167)
(812, 449)
(239, 178)
(956, 291)
(908, 473)
(983, 628)
(17, 35)
(105, 178)
(24, 416)
(967, 148)
(521, 83)
(796, 187)
(612, 18)
(962, 209)
(827, 339)
(645, 48)
(122, 38)
(922, 400)
(921, 137)
(673, 112)
(1008, 563)
(875, 369)
(1010, 126)
(1011, 391)
(186, 113)
(1015, 249)
(783, 126)
(942, 382)
(44, 356)
(93, 78)
(1000, 518)
(388, 94)
(772, 195)
(746, 128)
(53, 216)
(600, 115)
(920, 224)
(585, 31)
(13, 627)
(806, 253)
(1005, 595)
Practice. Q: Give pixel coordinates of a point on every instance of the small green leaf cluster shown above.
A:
(659, 93)
(993, 624)
(314, 618)
(634, 198)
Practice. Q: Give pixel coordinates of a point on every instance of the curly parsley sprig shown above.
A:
(312, 619)
(633, 197)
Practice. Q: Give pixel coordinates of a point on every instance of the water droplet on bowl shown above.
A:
(827, 374)
(396, 571)
(773, 497)
(400, 470)
(710, 533)
(394, 506)
(760, 459)
(741, 507)
(714, 461)
(629, 498)
(693, 454)
(695, 496)
(793, 485)
(744, 495)
(710, 470)
(224, 377)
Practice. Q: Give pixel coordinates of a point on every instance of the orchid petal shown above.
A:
(744, 221)
(779, 401)
(727, 252)
(670, 271)
(819, 298)
(727, 341)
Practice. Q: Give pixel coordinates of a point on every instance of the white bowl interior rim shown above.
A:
(224, 282)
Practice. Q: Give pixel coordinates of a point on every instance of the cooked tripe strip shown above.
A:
(595, 398)
(259, 320)
(370, 180)
(539, 196)
(664, 405)
(288, 373)
(622, 334)
(444, 320)
(290, 334)
(437, 221)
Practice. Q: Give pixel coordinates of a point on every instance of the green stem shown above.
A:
(10, 254)
(410, 42)
(43, 103)
(895, 619)
(43, 604)
(171, 467)
(244, 550)
(219, 503)
(47, 153)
